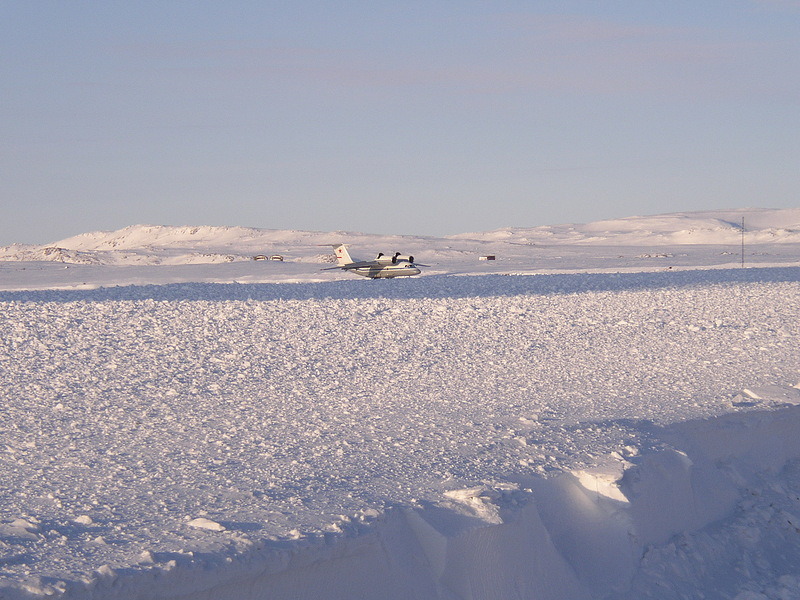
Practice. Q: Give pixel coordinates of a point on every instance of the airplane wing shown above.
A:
(363, 264)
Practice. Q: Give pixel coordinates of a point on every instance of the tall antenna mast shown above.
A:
(743, 242)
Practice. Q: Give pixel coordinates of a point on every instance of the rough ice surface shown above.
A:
(616, 432)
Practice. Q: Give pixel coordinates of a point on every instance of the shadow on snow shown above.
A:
(432, 286)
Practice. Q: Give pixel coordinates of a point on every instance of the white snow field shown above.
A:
(605, 411)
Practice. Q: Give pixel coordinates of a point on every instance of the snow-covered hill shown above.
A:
(723, 227)
(622, 424)
(162, 245)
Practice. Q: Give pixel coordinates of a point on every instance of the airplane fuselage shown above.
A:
(386, 272)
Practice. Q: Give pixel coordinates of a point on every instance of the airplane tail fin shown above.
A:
(342, 255)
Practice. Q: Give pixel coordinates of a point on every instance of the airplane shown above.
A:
(383, 267)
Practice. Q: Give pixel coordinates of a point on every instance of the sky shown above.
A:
(416, 117)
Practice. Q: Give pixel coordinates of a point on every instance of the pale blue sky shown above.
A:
(412, 117)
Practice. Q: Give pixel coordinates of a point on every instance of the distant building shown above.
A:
(277, 257)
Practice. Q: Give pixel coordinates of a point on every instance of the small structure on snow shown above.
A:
(277, 257)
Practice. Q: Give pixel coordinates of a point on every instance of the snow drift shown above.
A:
(711, 508)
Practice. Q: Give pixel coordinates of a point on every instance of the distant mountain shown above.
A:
(762, 225)
(168, 245)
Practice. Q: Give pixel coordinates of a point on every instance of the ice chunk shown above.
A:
(203, 523)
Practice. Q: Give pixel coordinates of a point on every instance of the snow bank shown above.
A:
(658, 524)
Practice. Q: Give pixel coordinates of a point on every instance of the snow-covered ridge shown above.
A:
(168, 245)
(703, 227)
(22, 252)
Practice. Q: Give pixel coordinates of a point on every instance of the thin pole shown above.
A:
(743, 242)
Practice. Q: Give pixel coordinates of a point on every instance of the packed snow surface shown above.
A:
(606, 420)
